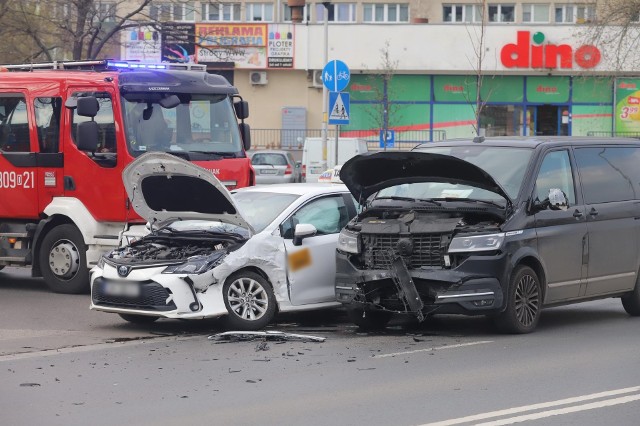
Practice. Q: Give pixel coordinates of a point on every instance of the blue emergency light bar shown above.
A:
(156, 66)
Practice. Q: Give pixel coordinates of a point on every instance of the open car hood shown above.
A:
(163, 187)
(367, 174)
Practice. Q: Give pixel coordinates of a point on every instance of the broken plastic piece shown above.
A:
(266, 335)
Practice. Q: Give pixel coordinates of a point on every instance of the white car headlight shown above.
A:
(473, 243)
(196, 265)
(349, 242)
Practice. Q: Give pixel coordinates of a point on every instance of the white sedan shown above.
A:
(244, 255)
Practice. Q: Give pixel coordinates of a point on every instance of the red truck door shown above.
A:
(18, 160)
(95, 178)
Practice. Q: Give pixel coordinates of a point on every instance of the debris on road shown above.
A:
(236, 336)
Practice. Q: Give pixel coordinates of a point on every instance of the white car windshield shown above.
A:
(259, 208)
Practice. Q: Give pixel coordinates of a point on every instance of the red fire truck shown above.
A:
(68, 129)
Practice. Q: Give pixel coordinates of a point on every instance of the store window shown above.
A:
(221, 12)
(262, 12)
(386, 12)
(502, 120)
(574, 13)
(340, 12)
(176, 12)
(533, 12)
(462, 13)
(502, 13)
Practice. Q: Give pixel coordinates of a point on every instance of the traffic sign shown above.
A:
(339, 103)
(391, 138)
(336, 75)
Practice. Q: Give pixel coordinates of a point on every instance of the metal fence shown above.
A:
(615, 134)
(294, 138)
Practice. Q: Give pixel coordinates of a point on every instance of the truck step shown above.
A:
(13, 259)
(14, 234)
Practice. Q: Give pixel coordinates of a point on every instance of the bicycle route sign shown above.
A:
(336, 75)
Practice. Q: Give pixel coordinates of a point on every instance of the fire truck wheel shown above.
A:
(63, 260)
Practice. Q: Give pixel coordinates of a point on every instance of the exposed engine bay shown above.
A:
(160, 249)
(420, 238)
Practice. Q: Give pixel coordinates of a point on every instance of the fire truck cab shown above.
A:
(68, 129)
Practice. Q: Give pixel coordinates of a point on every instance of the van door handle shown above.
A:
(593, 212)
(577, 214)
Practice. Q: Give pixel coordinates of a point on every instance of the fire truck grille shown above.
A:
(152, 297)
(426, 251)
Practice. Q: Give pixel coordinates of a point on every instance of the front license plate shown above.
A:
(123, 289)
(268, 172)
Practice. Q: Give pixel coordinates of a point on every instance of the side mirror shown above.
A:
(245, 133)
(87, 106)
(557, 199)
(303, 230)
(87, 137)
(242, 109)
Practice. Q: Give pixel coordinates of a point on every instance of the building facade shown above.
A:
(427, 70)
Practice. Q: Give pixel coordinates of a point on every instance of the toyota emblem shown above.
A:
(123, 271)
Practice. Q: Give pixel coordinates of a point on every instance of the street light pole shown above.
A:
(325, 92)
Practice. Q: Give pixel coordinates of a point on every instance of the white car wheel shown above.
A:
(249, 300)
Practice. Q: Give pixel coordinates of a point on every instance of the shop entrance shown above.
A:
(551, 120)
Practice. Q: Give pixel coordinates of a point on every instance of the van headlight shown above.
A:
(473, 243)
(349, 242)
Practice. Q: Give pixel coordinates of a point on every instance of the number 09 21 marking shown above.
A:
(13, 180)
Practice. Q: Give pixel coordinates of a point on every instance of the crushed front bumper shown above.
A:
(476, 286)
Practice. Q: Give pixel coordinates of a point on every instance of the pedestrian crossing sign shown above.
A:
(339, 108)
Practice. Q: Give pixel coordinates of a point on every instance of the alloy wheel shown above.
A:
(247, 299)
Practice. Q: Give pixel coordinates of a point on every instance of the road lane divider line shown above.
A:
(438, 348)
(533, 407)
(566, 410)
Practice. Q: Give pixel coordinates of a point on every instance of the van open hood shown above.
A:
(367, 174)
(162, 187)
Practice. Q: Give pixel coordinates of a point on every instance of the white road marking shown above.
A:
(461, 345)
(532, 407)
(567, 410)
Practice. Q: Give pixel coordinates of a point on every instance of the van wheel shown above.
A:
(367, 319)
(138, 319)
(63, 260)
(631, 301)
(249, 300)
(524, 302)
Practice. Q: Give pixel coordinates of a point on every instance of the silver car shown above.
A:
(275, 167)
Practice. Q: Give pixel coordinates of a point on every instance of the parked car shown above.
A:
(274, 166)
(210, 253)
(498, 227)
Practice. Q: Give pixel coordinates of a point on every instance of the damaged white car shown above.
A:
(244, 255)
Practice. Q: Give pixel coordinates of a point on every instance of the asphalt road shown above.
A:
(61, 364)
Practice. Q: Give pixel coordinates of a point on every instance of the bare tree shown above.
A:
(615, 29)
(383, 112)
(70, 29)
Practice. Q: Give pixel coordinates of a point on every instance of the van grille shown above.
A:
(380, 250)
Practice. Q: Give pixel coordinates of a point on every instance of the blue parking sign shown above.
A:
(391, 138)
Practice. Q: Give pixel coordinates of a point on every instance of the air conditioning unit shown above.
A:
(316, 79)
(258, 77)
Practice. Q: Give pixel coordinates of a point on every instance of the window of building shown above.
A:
(533, 12)
(340, 12)
(106, 12)
(502, 13)
(259, 12)
(286, 13)
(386, 12)
(176, 12)
(574, 13)
(462, 13)
(221, 12)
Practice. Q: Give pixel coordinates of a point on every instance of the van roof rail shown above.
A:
(103, 65)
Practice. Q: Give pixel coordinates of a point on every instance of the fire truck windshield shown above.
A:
(202, 125)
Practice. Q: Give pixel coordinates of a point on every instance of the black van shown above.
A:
(497, 226)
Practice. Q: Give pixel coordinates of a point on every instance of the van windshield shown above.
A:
(204, 124)
(506, 165)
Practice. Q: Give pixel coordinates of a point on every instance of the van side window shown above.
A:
(48, 122)
(14, 124)
(608, 173)
(106, 123)
(555, 172)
